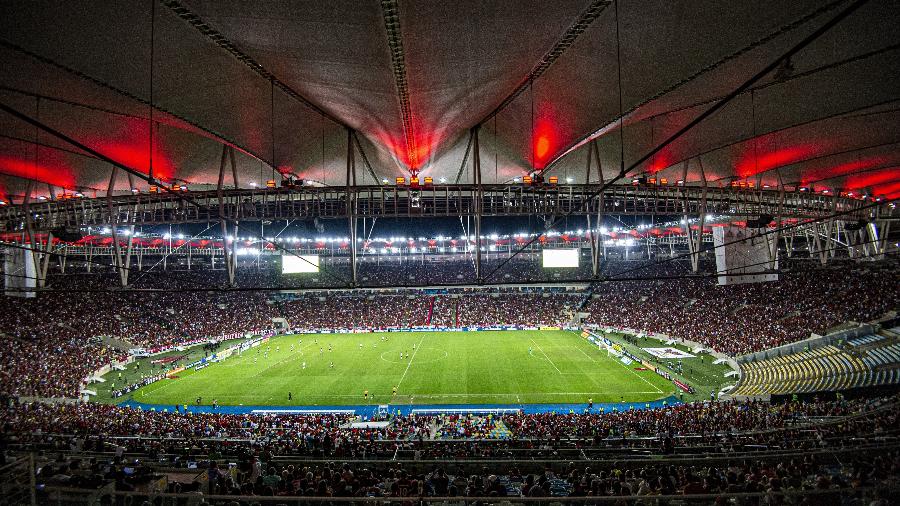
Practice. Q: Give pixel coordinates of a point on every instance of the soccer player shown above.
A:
(366, 395)
(329, 347)
(290, 396)
(332, 365)
(360, 345)
(321, 350)
(395, 390)
(304, 365)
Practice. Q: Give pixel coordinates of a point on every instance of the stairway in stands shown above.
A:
(279, 306)
(430, 310)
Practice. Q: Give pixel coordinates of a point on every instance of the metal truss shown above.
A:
(308, 202)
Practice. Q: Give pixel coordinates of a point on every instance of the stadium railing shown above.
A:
(864, 495)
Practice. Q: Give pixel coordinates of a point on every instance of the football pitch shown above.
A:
(496, 367)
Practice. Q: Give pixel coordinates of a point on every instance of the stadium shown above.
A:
(478, 252)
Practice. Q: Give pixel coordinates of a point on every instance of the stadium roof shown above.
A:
(282, 80)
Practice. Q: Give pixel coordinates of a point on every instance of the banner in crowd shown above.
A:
(426, 329)
(668, 353)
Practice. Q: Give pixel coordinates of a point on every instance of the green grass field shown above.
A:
(508, 367)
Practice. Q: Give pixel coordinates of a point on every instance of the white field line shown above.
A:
(418, 347)
(585, 354)
(289, 358)
(545, 355)
(632, 372)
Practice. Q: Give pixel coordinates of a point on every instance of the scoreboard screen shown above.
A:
(561, 258)
(291, 264)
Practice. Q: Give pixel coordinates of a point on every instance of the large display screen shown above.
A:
(561, 258)
(291, 264)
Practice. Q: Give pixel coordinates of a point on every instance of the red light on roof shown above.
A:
(542, 147)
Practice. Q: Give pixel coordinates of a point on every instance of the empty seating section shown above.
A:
(884, 363)
(865, 340)
(868, 361)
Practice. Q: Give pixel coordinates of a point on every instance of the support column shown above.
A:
(773, 245)
(595, 238)
(62, 259)
(45, 265)
(351, 206)
(695, 241)
(829, 250)
(113, 226)
(227, 246)
(476, 169)
(35, 250)
(879, 241)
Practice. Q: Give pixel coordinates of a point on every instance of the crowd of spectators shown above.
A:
(51, 343)
(253, 442)
(739, 319)
(55, 363)
(333, 431)
(870, 480)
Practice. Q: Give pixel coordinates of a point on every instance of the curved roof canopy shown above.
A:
(283, 81)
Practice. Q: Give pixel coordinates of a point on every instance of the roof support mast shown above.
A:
(479, 190)
(695, 239)
(118, 262)
(595, 237)
(351, 205)
(228, 241)
(776, 238)
(36, 251)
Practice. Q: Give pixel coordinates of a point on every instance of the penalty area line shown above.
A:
(545, 356)
(632, 372)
